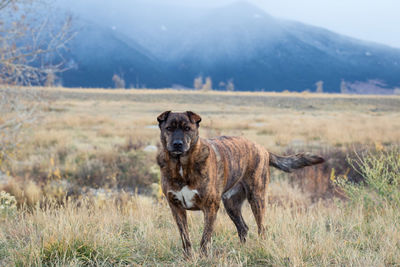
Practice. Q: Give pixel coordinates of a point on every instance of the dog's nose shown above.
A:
(178, 144)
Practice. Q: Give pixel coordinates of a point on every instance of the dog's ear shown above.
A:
(193, 117)
(163, 116)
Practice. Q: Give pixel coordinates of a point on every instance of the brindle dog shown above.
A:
(197, 173)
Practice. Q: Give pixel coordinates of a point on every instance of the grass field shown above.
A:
(83, 183)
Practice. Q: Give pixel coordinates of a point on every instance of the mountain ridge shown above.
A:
(246, 45)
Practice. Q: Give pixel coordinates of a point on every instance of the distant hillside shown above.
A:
(97, 53)
(159, 47)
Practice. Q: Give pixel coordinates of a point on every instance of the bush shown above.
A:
(318, 180)
(128, 170)
(381, 183)
(8, 204)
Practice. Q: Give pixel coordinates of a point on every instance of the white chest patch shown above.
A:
(185, 196)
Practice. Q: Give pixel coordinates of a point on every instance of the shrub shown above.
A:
(381, 183)
(8, 204)
(128, 170)
(24, 191)
(318, 180)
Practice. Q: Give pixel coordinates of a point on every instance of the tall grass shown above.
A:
(75, 187)
(146, 235)
(363, 230)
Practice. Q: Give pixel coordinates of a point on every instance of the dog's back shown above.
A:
(242, 158)
(239, 158)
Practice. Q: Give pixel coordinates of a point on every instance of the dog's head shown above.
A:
(179, 131)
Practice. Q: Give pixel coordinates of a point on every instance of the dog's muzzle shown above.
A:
(177, 148)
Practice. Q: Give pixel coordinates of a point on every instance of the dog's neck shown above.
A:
(182, 165)
(185, 159)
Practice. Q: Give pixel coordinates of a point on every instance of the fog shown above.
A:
(260, 45)
(376, 21)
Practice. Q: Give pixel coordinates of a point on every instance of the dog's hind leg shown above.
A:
(256, 187)
(257, 204)
(233, 200)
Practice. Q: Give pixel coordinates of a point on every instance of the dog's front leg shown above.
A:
(180, 219)
(210, 215)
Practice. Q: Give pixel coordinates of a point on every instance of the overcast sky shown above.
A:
(372, 20)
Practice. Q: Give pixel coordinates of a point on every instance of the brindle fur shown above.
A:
(230, 169)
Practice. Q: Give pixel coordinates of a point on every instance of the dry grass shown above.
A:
(143, 233)
(275, 120)
(86, 128)
(90, 144)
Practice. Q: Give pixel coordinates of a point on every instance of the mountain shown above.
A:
(161, 45)
(97, 53)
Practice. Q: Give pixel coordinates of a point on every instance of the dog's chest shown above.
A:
(186, 196)
(183, 193)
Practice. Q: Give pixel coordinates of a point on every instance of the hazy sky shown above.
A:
(372, 20)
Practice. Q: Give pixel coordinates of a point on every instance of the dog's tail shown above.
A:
(292, 162)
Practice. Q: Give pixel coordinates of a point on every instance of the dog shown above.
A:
(197, 173)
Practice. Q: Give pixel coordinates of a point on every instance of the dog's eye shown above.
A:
(169, 128)
(187, 128)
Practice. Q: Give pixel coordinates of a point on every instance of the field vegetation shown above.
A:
(80, 185)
